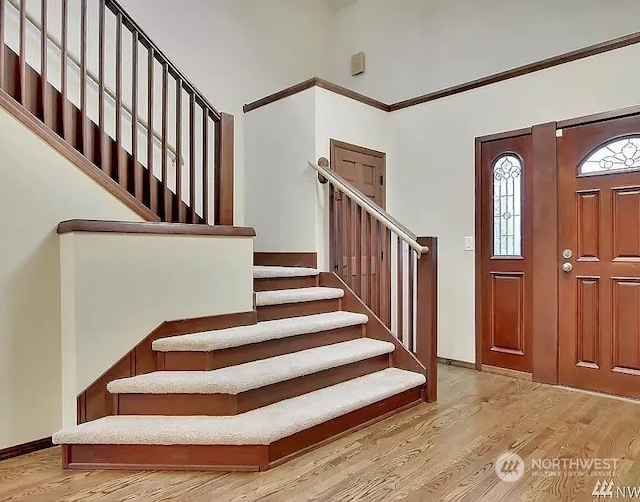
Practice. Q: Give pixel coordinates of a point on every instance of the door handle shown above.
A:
(567, 267)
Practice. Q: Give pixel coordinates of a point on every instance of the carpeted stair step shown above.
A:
(227, 347)
(276, 278)
(244, 387)
(296, 302)
(264, 272)
(261, 426)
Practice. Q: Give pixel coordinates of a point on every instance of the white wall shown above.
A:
(38, 189)
(280, 187)
(236, 51)
(284, 201)
(117, 288)
(432, 182)
(416, 46)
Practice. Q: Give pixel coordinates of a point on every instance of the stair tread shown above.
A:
(255, 374)
(268, 272)
(297, 295)
(260, 426)
(255, 333)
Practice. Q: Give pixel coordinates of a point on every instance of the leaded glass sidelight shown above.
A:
(617, 155)
(507, 206)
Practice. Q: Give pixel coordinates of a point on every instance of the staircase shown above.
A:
(250, 397)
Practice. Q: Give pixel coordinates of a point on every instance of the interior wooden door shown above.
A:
(599, 256)
(506, 250)
(351, 233)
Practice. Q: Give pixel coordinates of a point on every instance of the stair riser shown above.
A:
(232, 458)
(273, 312)
(284, 283)
(225, 404)
(185, 361)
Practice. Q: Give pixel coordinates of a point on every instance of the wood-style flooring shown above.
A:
(433, 452)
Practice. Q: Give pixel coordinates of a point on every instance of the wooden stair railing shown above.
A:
(393, 272)
(182, 173)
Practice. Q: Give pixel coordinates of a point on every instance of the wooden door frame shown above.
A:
(546, 251)
(334, 144)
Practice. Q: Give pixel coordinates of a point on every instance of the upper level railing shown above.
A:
(105, 87)
(393, 271)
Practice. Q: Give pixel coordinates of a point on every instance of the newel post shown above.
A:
(223, 171)
(427, 314)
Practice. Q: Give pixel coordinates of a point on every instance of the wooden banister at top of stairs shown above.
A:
(155, 142)
(393, 271)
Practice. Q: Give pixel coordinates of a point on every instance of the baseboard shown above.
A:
(507, 372)
(455, 362)
(23, 449)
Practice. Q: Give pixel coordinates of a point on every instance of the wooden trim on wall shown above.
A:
(280, 259)
(599, 117)
(24, 448)
(567, 57)
(478, 254)
(72, 155)
(315, 82)
(125, 227)
(544, 330)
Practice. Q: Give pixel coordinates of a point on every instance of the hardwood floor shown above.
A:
(433, 452)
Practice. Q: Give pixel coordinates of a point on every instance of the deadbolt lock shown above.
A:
(567, 253)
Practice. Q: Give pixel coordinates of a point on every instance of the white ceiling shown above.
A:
(336, 5)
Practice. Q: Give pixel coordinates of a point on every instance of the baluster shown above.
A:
(367, 259)
(375, 265)
(105, 164)
(385, 283)
(137, 169)
(205, 165)
(123, 174)
(44, 40)
(347, 233)
(66, 123)
(182, 216)
(153, 191)
(337, 235)
(165, 145)
(83, 77)
(400, 291)
(410, 281)
(357, 235)
(2, 49)
(192, 156)
(23, 52)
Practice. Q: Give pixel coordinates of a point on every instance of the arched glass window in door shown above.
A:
(614, 156)
(507, 206)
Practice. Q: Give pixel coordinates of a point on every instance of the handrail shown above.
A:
(94, 78)
(373, 209)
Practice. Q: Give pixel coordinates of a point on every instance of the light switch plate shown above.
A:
(468, 243)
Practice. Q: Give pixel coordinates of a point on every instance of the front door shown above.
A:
(353, 235)
(506, 252)
(599, 256)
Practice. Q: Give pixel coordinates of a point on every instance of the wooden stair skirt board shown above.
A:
(232, 457)
(251, 393)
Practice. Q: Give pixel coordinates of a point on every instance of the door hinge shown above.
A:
(335, 266)
(382, 179)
